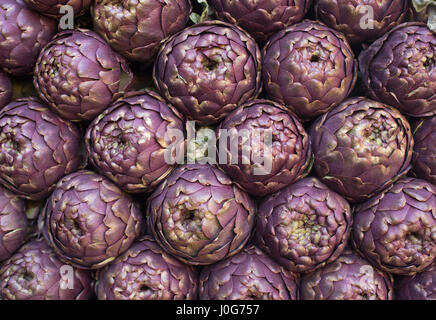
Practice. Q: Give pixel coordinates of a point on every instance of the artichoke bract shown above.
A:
(89, 221)
(361, 147)
(78, 74)
(128, 141)
(262, 18)
(361, 20)
(37, 148)
(284, 162)
(52, 8)
(396, 230)
(308, 67)
(421, 286)
(199, 215)
(349, 277)
(304, 226)
(146, 272)
(399, 69)
(208, 70)
(424, 151)
(249, 275)
(135, 28)
(23, 33)
(5, 89)
(13, 223)
(34, 272)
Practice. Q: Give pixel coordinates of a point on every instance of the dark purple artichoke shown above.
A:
(89, 221)
(78, 75)
(34, 272)
(136, 28)
(13, 223)
(361, 147)
(284, 162)
(308, 67)
(5, 89)
(52, 8)
(37, 148)
(349, 277)
(424, 151)
(262, 18)
(399, 69)
(208, 70)
(351, 17)
(421, 286)
(23, 33)
(304, 226)
(199, 215)
(396, 230)
(146, 272)
(128, 142)
(249, 275)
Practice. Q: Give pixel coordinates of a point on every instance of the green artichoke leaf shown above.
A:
(205, 11)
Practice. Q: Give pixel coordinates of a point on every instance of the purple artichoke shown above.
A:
(421, 286)
(349, 277)
(285, 161)
(424, 152)
(352, 17)
(396, 230)
(262, 18)
(361, 147)
(304, 226)
(5, 89)
(136, 28)
(249, 275)
(52, 8)
(146, 272)
(399, 69)
(23, 33)
(127, 142)
(37, 148)
(35, 273)
(78, 75)
(199, 215)
(13, 223)
(88, 221)
(208, 70)
(308, 67)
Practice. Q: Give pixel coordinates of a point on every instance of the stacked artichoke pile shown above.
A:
(176, 149)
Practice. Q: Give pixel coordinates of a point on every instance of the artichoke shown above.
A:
(421, 286)
(361, 147)
(13, 223)
(304, 226)
(349, 277)
(23, 33)
(78, 75)
(199, 215)
(146, 272)
(5, 89)
(136, 28)
(89, 221)
(34, 272)
(399, 69)
(362, 20)
(424, 11)
(396, 230)
(424, 152)
(208, 70)
(284, 162)
(52, 8)
(261, 18)
(308, 67)
(37, 148)
(249, 275)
